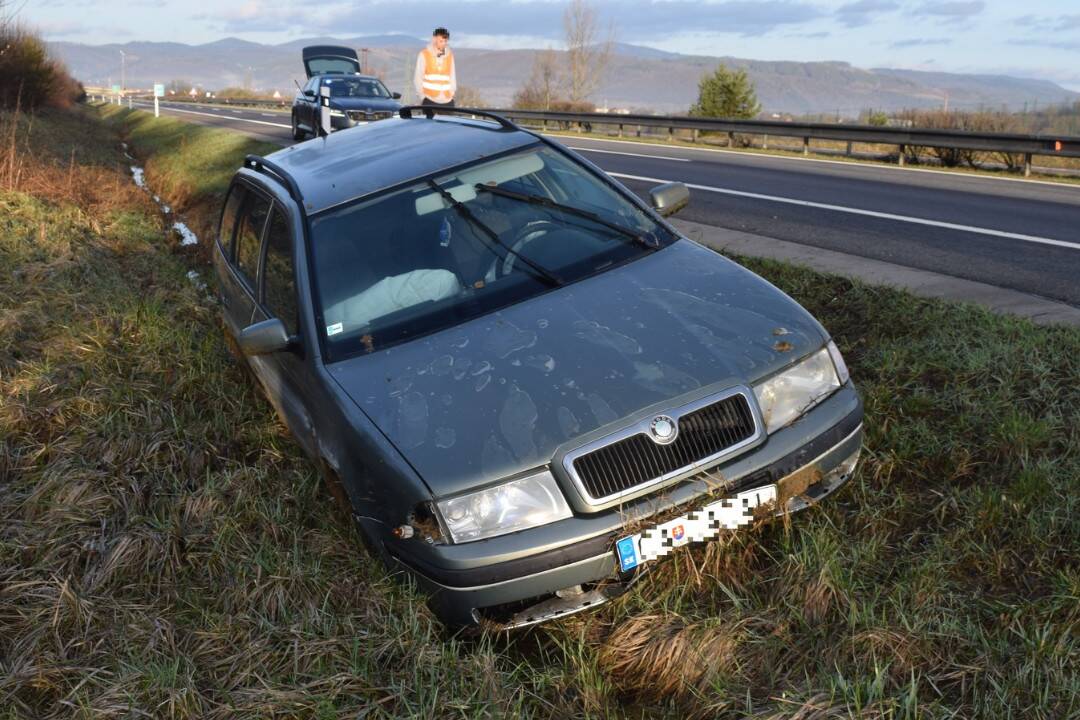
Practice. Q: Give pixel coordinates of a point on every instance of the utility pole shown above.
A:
(364, 63)
(123, 68)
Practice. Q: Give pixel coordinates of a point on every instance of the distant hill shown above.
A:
(647, 79)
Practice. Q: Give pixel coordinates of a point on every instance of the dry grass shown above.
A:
(166, 550)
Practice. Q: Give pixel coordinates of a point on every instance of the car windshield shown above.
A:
(439, 252)
(349, 87)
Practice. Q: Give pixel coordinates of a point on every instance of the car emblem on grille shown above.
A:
(663, 429)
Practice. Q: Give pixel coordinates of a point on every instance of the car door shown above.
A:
(285, 374)
(242, 258)
(311, 105)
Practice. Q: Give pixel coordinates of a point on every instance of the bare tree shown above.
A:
(587, 55)
(469, 97)
(541, 91)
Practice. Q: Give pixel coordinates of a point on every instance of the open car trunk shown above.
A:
(330, 59)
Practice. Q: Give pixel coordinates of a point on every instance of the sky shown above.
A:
(1033, 38)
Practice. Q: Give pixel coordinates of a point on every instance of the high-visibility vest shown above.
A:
(437, 71)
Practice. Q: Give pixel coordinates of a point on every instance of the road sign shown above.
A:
(159, 90)
(116, 88)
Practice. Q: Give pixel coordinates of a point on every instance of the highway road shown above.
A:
(1018, 234)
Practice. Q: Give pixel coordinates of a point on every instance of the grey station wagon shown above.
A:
(522, 382)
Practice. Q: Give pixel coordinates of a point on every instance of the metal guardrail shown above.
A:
(1026, 145)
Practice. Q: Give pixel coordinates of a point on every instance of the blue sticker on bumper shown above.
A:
(628, 556)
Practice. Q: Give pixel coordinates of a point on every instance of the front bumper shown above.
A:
(498, 581)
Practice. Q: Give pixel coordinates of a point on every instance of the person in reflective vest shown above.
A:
(435, 78)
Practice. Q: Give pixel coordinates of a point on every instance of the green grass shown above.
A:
(166, 549)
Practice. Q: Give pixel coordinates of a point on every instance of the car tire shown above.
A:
(297, 133)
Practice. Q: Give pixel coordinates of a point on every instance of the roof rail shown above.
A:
(261, 165)
(407, 113)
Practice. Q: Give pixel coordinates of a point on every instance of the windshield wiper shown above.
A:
(538, 270)
(548, 203)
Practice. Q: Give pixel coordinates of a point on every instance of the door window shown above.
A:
(249, 236)
(228, 220)
(279, 285)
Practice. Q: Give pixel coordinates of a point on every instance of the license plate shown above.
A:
(729, 513)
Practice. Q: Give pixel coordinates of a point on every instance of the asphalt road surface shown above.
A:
(1023, 235)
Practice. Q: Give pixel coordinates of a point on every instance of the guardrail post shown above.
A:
(620, 129)
(671, 134)
(731, 139)
(693, 135)
(1027, 164)
(764, 142)
(848, 151)
(638, 131)
(806, 146)
(900, 157)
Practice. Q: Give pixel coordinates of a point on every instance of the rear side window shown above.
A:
(249, 235)
(279, 285)
(228, 220)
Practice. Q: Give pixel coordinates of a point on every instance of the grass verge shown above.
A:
(166, 550)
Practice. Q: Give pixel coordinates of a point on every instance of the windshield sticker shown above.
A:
(333, 329)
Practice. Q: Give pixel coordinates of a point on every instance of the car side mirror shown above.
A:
(263, 338)
(309, 93)
(396, 96)
(669, 198)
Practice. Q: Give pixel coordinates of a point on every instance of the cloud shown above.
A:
(633, 18)
(1045, 23)
(861, 12)
(57, 29)
(920, 42)
(1053, 44)
(953, 11)
(1068, 22)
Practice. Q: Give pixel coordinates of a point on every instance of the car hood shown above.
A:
(343, 103)
(501, 393)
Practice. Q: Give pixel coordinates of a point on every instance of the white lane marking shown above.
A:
(237, 119)
(868, 213)
(629, 154)
(857, 163)
(236, 111)
(268, 114)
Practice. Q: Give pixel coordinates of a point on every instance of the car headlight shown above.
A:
(786, 396)
(516, 505)
(337, 113)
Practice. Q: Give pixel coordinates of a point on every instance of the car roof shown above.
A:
(338, 76)
(352, 163)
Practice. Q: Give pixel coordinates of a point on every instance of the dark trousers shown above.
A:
(428, 103)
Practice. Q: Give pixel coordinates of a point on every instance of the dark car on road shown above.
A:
(521, 381)
(355, 98)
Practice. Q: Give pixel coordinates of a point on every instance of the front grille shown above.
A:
(362, 115)
(637, 460)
